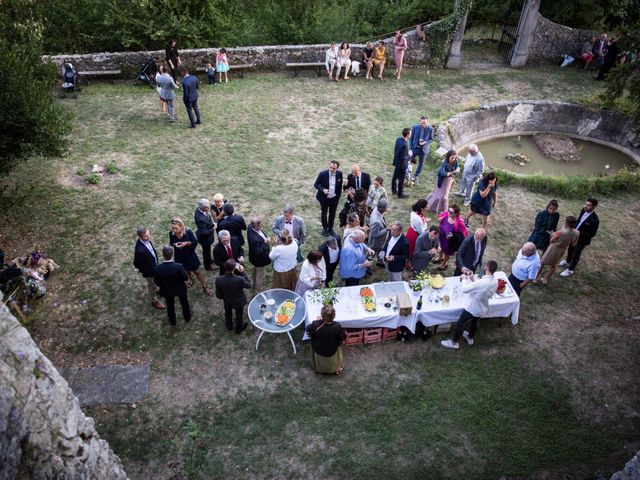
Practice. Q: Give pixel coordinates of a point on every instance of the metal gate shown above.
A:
(510, 29)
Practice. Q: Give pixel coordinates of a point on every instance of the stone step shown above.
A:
(108, 384)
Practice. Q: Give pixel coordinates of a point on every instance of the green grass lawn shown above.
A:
(554, 397)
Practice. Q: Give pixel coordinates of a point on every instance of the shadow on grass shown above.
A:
(470, 417)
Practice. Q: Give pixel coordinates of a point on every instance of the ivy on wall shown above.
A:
(440, 33)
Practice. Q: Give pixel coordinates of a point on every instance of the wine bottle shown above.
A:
(419, 306)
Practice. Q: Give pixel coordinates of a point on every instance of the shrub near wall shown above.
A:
(574, 186)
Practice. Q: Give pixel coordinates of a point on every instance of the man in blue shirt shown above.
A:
(525, 267)
(421, 138)
(353, 258)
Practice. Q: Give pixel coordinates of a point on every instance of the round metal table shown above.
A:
(278, 295)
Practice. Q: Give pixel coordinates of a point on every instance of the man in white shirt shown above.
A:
(478, 293)
(330, 60)
(329, 187)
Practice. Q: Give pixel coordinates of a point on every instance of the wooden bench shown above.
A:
(239, 68)
(98, 73)
(317, 66)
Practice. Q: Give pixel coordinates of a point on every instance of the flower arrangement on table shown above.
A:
(425, 279)
(326, 296)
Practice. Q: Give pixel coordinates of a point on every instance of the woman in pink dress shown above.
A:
(438, 200)
(400, 45)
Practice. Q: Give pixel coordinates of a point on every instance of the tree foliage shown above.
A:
(31, 121)
(623, 84)
(586, 14)
(77, 26)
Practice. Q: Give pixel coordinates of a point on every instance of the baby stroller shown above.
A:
(69, 81)
(147, 73)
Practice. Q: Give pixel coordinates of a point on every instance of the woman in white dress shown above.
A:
(344, 61)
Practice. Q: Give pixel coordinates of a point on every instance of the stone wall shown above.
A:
(631, 470)
(43, 432)
(552, 40)
(265, 57)
(530, 116)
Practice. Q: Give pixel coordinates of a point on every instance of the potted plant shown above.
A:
(326, 296)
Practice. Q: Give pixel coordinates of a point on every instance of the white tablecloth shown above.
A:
(351, 313)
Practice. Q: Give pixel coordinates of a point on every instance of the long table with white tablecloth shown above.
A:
(350, 311)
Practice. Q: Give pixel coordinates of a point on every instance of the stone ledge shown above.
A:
(524, 117)
(263, 57)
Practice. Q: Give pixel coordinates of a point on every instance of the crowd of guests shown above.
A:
(367, 240)
(604, 53)
(373, 59)
(167, 82)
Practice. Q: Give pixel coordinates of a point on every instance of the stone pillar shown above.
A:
(43, 432)
(453, 60)
(524, 35)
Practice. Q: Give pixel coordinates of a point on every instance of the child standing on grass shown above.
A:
(222, 65)
(211, 74)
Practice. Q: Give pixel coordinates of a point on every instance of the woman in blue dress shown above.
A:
(484, 199)
(184, 242)
(546, 224)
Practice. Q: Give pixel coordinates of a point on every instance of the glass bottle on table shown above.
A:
(419, 306)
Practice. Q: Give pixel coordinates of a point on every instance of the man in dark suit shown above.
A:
(331, 253)
(395, 252)
(145, 259)
(233, 223)
(400, 163)
(588, 223)
(170, 278)
(355, 180)
(230, 289)
(329, 187)
(470, 253)
(227, 248)
(259, 247)
(205, 231)
(421, 138)
(190, 86)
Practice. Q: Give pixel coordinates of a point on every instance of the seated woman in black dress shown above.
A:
(184, 241)
(327, 338)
